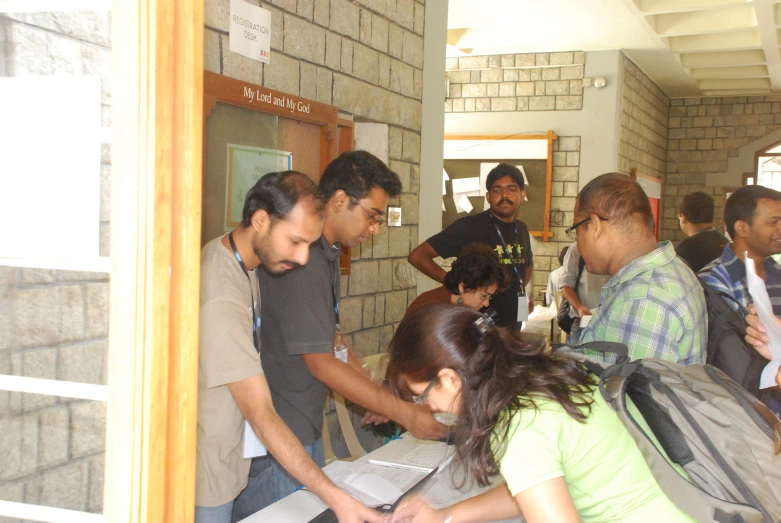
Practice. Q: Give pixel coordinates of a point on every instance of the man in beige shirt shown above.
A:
(283, 214)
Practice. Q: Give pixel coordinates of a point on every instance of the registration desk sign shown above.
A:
(250, 30)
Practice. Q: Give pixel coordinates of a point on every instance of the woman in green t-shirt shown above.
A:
(533, 417)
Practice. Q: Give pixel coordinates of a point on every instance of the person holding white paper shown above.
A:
(501, 231)
(283, 214)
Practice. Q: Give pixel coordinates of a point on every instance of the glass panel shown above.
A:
(54, 322)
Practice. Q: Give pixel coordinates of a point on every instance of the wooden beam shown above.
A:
(155, 251)
(508, 137)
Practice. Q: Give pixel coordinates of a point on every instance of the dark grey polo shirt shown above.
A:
(298, 318)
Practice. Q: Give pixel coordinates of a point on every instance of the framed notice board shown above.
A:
(249, 130)
(465, 157)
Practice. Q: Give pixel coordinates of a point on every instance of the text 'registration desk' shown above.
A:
(302, 506)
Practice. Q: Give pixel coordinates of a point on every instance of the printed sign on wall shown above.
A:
(250, 30)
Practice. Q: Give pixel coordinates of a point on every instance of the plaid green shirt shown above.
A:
(655, 306)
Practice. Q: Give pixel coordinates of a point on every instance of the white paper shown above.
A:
(485, 168)
(444, 209)
(445, 178)
(50, 131)
(250, 31)
(525, 179)
(463, 204)
(466, 185)
(584, 321)
(771, 322)
(253, 448)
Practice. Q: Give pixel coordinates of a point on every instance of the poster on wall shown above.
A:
(250, 30)
(247, 165)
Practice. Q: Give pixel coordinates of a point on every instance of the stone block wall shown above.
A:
(704, 133)
(566, 170)
(522, 82)
(54, 324)
(644, 120)
(366, 58)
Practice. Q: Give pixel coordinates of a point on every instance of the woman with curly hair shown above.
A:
(535, 418)
(475, 276)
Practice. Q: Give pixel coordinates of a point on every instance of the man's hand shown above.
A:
(531, 304)
(421, 424)
(755, 333)
(350, 510)
(583, 310)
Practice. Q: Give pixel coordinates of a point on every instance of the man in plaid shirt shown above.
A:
(653, 302)
(753, 219)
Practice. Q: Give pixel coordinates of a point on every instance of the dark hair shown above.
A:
(562, 254)
(500, 375)
(619, 199)
(697, 207)
(277, 194)
(477, 266)
(743, 203)
(502, 170)
(357, 173)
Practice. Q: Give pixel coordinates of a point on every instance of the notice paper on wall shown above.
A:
(250, 31)
(756, 286)
(462, 203)
(467, 186)
(445, 178)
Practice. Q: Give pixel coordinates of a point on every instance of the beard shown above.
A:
(271, 261)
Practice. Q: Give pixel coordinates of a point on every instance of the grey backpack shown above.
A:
(712, 446)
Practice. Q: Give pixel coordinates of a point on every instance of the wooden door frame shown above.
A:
(155, 251)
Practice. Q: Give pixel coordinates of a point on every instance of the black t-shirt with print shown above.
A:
(479, 228)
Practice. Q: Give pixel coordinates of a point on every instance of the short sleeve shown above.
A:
(570, 273)
(533, 454)
(299, 307)
(452, 239)
(226, 349)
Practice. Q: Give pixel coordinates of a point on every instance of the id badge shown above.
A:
(523, 307)
(253, 448)
(340, 349)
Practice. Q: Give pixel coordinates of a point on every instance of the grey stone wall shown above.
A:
(366, 58)
(644, 120)
(704, 133)
(54, 324)
(566, 170)
(522, 82)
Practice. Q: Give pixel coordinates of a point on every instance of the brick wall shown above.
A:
(704, 133)
(644, 120)
(54, 324)
(366, 58)
(522, 82)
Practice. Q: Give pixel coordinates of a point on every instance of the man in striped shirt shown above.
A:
(652, 302)
(753, 219)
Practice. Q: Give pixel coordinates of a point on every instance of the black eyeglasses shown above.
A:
(374, 219)
(571, 232)
(420, 400)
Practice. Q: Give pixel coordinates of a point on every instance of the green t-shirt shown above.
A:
(607, 475)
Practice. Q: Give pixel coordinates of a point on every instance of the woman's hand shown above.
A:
(415, 510)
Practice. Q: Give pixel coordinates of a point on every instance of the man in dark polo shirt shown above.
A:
(498, 228)
(704, 243)
(300, 334)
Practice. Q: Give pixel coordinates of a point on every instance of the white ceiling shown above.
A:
(688, 47)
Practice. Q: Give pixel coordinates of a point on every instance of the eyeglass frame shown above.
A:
(572, 231)
(373, 219)
(421, 400)
(484, 297)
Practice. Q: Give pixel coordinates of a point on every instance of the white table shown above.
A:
(302, 506)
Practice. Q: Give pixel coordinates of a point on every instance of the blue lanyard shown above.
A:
(255, 318)
(507, 249)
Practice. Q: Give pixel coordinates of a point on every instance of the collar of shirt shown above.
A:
(736, 267)
(332, 252)
(658, 257)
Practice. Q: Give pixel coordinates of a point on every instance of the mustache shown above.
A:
(504, 201)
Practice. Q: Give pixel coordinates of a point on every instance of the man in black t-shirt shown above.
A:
(496, 227)
(704, 243)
